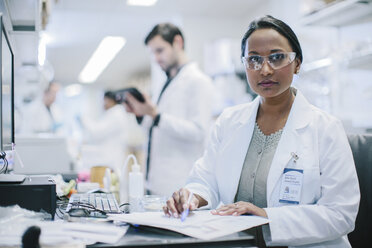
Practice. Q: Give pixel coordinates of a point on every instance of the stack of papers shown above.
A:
(66, 233)
(199, 224)
(14, 221)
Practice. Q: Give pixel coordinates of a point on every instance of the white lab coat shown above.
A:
(108, 135)
(330, 193)
(36, 118)
(179, 139)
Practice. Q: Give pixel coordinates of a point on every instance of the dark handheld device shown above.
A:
(120, 98)
(120, 95)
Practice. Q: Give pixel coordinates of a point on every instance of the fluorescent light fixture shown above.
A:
(141, 2)
(41, 52)
(102, 56)
(44, 40)
(73, 90)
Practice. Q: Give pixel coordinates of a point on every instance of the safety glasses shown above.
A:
(275, 60)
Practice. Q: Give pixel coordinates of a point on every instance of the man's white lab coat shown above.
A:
(178, 140)
(330, 192)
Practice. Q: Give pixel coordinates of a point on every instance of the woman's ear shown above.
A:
(298, 66)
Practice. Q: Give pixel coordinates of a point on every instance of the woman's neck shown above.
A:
(273, 113)
(277, 106)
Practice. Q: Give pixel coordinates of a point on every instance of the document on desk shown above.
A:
(60, 232)
(199, 224)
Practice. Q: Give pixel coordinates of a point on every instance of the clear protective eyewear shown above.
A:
(275, 60)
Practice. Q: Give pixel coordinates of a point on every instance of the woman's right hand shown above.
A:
(178, 203)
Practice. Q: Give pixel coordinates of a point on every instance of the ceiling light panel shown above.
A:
(102, 56)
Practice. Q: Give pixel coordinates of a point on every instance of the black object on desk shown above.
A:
(30, 238)
(34, 193)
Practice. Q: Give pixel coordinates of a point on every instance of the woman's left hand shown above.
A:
(239, 208)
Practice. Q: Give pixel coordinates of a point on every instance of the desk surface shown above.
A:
(154, 237)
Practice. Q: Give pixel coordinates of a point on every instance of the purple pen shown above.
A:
(185, 213)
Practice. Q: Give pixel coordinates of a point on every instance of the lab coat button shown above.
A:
(253, 175)
(260, 151)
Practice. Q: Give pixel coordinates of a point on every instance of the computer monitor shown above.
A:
(6, 103)
(7, 92)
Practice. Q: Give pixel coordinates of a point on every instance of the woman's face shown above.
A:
(266, 81)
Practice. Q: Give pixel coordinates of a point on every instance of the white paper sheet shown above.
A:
(59, 232)
(90, 233)
(199, 224)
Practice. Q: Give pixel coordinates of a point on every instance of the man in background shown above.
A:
(177, 118)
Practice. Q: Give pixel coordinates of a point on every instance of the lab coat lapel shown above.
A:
(287, 145)
(298, 118)
(238, 150)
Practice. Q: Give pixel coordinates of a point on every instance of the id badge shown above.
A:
(290, 189)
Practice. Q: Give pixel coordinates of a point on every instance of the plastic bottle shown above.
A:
(107, 180)
(136, 186)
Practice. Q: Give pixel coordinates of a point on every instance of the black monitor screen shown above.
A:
(6, 92)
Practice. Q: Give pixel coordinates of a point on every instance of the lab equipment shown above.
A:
(153, 203)
(107, 180)
(136, 185)
(47, 154)
(37, 193)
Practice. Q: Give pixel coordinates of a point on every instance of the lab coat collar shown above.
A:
(300, 116)
(187, 68)
(251, 113)
(297, 120)
(242, 136)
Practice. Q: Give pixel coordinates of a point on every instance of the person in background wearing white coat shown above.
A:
(278, 157)
(108, 133)
(179, 117)
(42, 115)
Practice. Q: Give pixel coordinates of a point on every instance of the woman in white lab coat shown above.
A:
(278, 157)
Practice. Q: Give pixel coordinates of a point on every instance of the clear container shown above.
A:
(153, 203)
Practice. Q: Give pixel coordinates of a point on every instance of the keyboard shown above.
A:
(105, 202)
